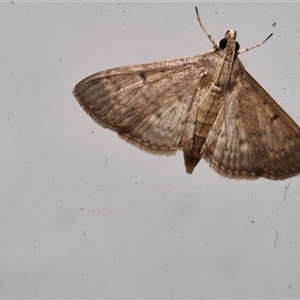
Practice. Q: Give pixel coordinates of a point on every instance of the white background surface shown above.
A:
(84, 214)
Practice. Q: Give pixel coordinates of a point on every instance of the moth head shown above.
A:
(229, 34)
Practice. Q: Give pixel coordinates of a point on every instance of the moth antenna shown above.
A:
(257, 45)
(208, 34)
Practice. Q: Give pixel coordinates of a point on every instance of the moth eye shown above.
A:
(223, 43)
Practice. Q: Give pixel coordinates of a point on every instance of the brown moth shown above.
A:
(208, 106)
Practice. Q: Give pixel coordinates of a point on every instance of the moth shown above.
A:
(207, 106)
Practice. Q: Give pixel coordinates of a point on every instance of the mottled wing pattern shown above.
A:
(149, 105)
(252, 136)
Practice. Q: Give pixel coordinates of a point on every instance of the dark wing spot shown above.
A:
(117, 85)
(274, 117)
(143, 76)
(242, 142)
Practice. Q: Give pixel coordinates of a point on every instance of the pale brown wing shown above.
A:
(149, 105)
(252, 136)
